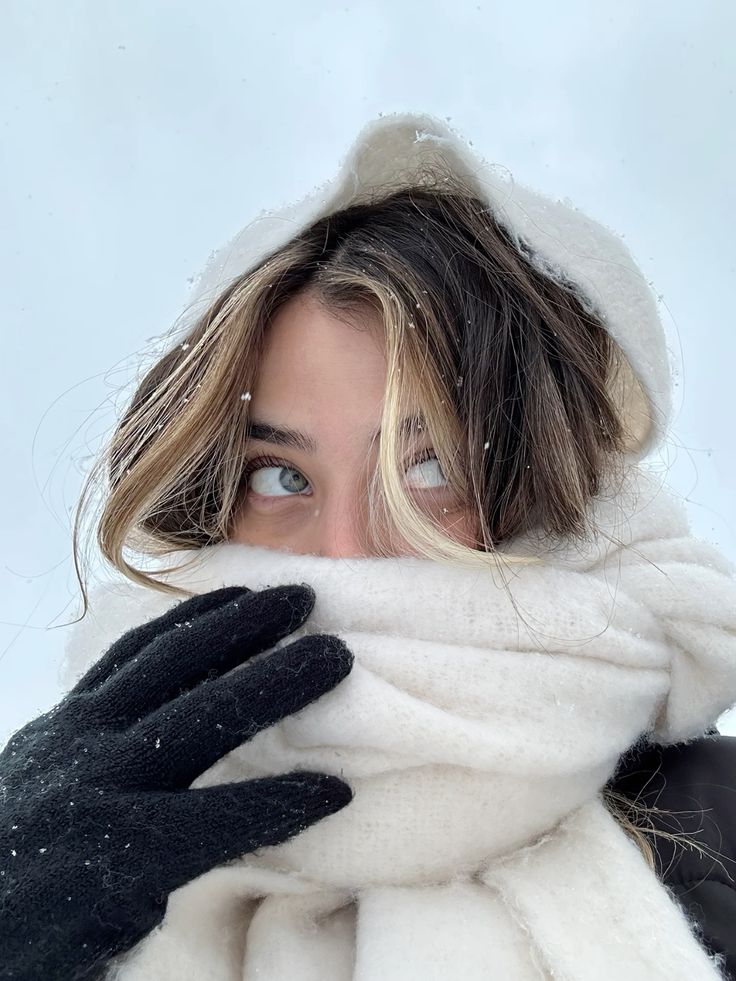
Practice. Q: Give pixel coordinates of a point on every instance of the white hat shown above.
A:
(566, 245)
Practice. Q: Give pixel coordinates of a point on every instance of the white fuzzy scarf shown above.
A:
(477, 845)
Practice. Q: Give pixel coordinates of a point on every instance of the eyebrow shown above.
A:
(269, 433)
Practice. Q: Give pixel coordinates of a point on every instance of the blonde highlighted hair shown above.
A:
(515, 378)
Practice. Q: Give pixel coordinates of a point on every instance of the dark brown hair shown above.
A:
(519, 382)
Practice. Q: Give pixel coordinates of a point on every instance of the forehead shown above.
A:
(318, 370)
(306, 341)
(304, 334)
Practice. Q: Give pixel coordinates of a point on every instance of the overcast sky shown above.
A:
(137, 137)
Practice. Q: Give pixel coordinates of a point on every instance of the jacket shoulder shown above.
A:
(692, 788)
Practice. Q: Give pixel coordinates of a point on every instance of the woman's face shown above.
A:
(324, 381)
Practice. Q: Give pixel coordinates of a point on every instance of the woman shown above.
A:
(423, 393)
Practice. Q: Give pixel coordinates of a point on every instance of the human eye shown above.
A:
(268, 477)
(428, 472)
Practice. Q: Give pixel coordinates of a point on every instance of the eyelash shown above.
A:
(269, 461)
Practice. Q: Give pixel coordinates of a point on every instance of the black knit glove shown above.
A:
(97, 825)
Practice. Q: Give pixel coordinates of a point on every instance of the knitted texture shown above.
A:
(485, 711)
(98, 826)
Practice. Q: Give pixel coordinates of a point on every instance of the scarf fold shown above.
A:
(484, 714)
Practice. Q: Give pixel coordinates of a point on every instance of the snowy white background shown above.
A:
(136, 137)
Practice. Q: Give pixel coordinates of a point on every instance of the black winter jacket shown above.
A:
(697, 781)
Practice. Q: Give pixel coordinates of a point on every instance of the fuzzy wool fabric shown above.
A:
(485, 712)
(403, 149)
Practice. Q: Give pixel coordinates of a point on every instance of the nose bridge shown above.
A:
(341, 525)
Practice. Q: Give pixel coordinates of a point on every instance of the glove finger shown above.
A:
(174, 745)
(197, 830)
(133, 641)
(194, 650)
